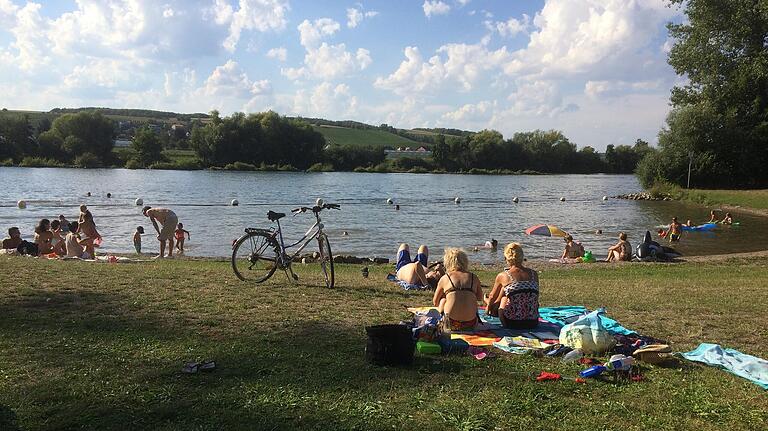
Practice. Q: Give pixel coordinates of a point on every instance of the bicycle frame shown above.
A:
(312, 233)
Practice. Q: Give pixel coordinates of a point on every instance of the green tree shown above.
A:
(147, 147)
(94, 134)
(721, 113)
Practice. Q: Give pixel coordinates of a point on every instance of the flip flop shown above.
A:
(207, 366)
(190, 368)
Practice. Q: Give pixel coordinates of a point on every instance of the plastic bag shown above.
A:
(588, 334)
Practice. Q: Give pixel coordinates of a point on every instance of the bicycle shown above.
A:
(260, 252)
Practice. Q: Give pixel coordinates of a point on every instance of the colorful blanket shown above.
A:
(551, 320)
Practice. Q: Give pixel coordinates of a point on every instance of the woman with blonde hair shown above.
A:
(515, 294)
(457, 293)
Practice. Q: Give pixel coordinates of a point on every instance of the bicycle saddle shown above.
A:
(272, 216)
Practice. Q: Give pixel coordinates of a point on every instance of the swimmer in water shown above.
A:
(489, 245)
(713, 217)
(728, 219)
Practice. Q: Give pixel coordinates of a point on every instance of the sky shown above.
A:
(595, 69)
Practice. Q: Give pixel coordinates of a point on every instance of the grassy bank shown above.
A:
(751, 199)
(100, 346)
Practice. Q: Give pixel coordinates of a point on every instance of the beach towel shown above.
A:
(564, 315)
(746, 366)
(403, 284)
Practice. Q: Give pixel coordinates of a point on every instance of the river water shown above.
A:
(427, 212)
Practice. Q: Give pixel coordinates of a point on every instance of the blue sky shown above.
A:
(595, 69)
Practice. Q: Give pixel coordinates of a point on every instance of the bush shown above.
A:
(322, 167)
(286, 168)
(6, 163)
(87, 160)
(39, 162)
(133, 164)
(418, 170)
(239, 166)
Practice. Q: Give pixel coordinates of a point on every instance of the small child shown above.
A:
(137, 238)
(179, 234)
(57, 241)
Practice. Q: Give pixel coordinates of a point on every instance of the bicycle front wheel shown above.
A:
(326, 260)
(254, 257)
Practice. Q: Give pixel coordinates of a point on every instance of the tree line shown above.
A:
(269, 141)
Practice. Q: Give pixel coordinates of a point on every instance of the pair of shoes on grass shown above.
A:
(194, 367)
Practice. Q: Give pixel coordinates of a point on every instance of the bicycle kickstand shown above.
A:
(293, 275)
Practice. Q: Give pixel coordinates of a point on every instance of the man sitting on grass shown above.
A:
(14, 239)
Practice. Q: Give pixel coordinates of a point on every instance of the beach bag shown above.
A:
(389, 345)
(588, 258)
(588, 334)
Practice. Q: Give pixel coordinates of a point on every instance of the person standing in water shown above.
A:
(675, 230)
(165, 230)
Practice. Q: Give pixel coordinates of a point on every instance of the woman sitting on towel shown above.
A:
(515, 294)
(457, 293)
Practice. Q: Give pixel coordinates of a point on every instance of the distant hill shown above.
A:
(335, 135)
(345, 132)
(130, 114)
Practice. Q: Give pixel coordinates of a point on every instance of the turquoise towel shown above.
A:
(749, 367)
(570, 313)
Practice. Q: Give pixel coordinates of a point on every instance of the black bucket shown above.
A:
(389, 345)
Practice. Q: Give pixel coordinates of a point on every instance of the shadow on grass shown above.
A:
(101, 362)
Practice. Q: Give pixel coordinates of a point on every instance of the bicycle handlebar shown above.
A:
(316, 209)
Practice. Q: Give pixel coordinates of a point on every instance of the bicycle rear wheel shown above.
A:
(326, 260)
(254, 257)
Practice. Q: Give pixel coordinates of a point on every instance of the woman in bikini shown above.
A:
(457, 293)
(44, 236)
(515, 294)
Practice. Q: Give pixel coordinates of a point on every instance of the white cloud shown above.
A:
(603, 89)
(601, 37)
(325, 100)
(463, 63)
(478, 112)
(280, 54)
(510, 28)
(355, 15)
(259, 15)
(311, 34)
(463, 2)
(324, 61)
(435, 7)
(229, 80)
(7, 13)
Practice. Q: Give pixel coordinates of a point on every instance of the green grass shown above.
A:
(364, 137)
(100, 346)
(753, 199)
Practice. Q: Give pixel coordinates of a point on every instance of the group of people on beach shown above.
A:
(514, 297)
(79, 239)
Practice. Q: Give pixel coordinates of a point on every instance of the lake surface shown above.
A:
(427, 212)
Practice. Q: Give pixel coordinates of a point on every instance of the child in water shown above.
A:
(728, 219)
(137, 238)
(179, 234)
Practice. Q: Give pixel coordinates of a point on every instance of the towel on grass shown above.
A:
(405, 285)
(749, 367)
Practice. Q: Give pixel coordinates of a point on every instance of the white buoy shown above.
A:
(562, 199)
(605, 198)
(21, 204)
(515, 199)
(234, 202)
(390, 201)
(457, 200)
(319, 202)
(139, 202)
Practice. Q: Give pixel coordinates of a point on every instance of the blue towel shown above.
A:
(403, 284)
(749, 367)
